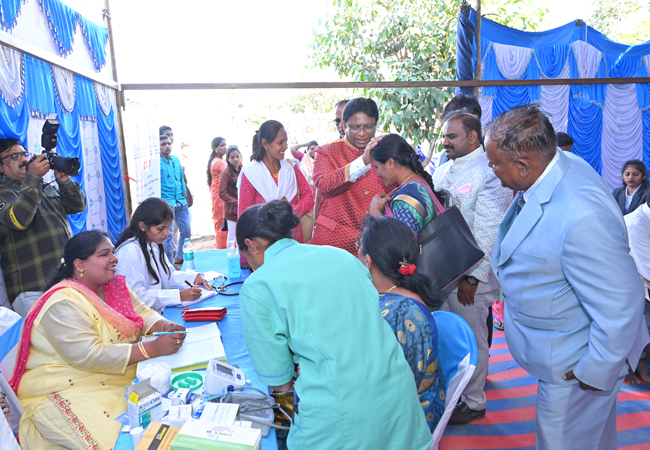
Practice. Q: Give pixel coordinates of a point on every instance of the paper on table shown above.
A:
(224, 413)
(205, 294)
(201, 344)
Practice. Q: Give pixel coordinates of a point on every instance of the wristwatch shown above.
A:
(472, 281)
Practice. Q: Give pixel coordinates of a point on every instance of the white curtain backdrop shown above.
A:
(486, 107)
(11, 76)
(622, 131)
(103, 98)
(94, 177)
(554, 100)
(587, 58)
(65, 88)
(512, 60)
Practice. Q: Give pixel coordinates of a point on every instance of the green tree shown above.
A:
(624, 21)
(404, 40)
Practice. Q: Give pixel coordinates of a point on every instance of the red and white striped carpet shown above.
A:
(510, 420)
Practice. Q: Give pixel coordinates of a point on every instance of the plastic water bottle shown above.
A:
(234, 269)
(188, 256)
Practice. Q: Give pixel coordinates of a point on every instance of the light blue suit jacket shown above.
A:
(573, 297)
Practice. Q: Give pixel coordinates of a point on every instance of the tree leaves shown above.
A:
(404, 40)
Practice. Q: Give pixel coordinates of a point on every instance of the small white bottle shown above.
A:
(188, 256)
(234, 269)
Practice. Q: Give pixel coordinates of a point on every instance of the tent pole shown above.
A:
(477, 74)
(119, 97)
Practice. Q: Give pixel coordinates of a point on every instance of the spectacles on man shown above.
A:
(17, 156)
(364, 127)
(337, 122)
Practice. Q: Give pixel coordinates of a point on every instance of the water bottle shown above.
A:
(188, 256)
(234, 269)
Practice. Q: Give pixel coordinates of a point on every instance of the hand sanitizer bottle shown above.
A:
(234, 269)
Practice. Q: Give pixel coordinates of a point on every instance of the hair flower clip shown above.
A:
(406, 268)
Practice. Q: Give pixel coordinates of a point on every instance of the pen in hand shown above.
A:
(162, 333)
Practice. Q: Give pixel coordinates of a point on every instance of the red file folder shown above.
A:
(203, 314)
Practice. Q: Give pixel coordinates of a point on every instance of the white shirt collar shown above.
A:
(528, 192)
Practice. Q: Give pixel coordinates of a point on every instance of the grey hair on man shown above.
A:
(524, 130)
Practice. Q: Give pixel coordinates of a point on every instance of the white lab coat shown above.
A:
(157, 296)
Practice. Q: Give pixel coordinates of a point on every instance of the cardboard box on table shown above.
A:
(157, 437)
(204, 435)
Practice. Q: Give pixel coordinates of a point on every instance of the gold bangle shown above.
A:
(166, 322)
(142, 350)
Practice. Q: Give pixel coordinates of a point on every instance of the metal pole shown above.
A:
(119, 100)
(477, 73)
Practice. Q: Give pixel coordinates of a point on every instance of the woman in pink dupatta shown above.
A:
(79, 349)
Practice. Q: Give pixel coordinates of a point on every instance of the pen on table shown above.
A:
(162, 333)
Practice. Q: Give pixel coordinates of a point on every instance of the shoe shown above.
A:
(497, 324)
(463, 415)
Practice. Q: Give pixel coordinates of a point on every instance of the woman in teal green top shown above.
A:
(355, 387)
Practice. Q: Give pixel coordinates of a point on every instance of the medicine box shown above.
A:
(204, 435)
(157, 437)
(144, 404)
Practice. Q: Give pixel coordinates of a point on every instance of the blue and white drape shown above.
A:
(32, 89)
(609, 123)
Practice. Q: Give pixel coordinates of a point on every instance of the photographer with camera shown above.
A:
(33, 224)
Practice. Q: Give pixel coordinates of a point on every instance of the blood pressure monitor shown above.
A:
(219, 376)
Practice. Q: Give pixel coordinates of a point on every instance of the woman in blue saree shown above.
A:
(387, 248)
(413, 199)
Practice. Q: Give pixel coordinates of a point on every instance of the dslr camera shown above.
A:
(67, 165)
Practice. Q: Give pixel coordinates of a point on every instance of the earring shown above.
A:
(255, 251)
(81, 274)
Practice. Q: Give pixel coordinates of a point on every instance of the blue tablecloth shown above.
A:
(231, 329)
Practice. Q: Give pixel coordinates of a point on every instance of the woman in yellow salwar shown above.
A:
(79, 348)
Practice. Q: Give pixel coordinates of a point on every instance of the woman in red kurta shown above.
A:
(272, 177)
(216, 165)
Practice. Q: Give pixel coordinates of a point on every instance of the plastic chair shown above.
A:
(457, 357)
(11, 325)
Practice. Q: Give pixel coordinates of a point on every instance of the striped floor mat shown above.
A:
(510, 420)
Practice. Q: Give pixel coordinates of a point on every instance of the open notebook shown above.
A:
(200, 346)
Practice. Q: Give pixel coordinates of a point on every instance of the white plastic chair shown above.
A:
(11, 325)
(457, 357)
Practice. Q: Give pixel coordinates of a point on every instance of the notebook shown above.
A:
(200, 346)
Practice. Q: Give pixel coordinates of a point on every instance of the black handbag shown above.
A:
(448, 249)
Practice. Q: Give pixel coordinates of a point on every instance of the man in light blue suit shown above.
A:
(573, 298)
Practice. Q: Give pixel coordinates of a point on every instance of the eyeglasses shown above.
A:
(358, 246)
(337, 122)
(17, 156)
(359, 127)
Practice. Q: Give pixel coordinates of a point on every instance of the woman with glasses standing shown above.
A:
(345, 177)
(33, 221)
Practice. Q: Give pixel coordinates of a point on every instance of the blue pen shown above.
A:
(162, 333)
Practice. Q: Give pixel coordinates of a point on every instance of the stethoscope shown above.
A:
(221, 289)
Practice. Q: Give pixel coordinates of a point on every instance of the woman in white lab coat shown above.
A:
(142, 260)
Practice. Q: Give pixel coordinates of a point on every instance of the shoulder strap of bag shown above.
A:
(439, 208)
